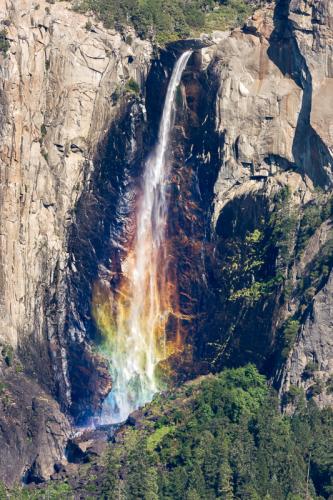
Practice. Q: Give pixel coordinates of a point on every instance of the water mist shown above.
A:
(134, 318)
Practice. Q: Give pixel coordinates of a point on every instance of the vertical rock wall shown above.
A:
(63, 82)
(57, 82)
(61, 86)
(274, 118)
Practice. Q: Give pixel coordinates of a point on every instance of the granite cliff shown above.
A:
(273, 116)
(58, 80)
(251, 221)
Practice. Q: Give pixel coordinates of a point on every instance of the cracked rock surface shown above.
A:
(57, 89)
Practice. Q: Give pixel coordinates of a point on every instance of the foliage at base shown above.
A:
(220, 436)
(223, 437)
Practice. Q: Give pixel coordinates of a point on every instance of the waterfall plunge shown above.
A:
(134, 319)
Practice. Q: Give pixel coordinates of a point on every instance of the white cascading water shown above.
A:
(136, 335)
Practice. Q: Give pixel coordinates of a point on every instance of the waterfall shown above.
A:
(135, 318)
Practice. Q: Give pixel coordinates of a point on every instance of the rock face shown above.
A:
(34, 431)
(250, 227)
(271, 75)
(62, 83)
(311, 23)
(274, 120)
(312, 354)
(257, 109)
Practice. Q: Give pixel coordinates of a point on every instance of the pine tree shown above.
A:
(225, 488)
(151, 487)
(192, 494)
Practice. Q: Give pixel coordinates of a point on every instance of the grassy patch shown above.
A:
(231, 15)
(155, 439)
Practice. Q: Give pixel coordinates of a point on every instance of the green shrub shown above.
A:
(43, 130)
(44, 154)
(283, 222)
(329, 386)
(8, 354)
(4, 42)
(161, 422)
(3, 491)
(317, 273)
(311, 219)
(18, 368)
(314, 214)
(289, 336)
(314, 390)
(293, 395)
(309, 370)
(132, 86)
(231, 13)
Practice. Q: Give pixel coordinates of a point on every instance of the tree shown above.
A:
(225, 488)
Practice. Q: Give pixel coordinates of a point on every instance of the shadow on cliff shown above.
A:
(310, 153)
(104, 230)
(97, 242)
(104, 227)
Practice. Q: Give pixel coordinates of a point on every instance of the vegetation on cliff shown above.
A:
(4, 43)
(271, 251)
(170, 19)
